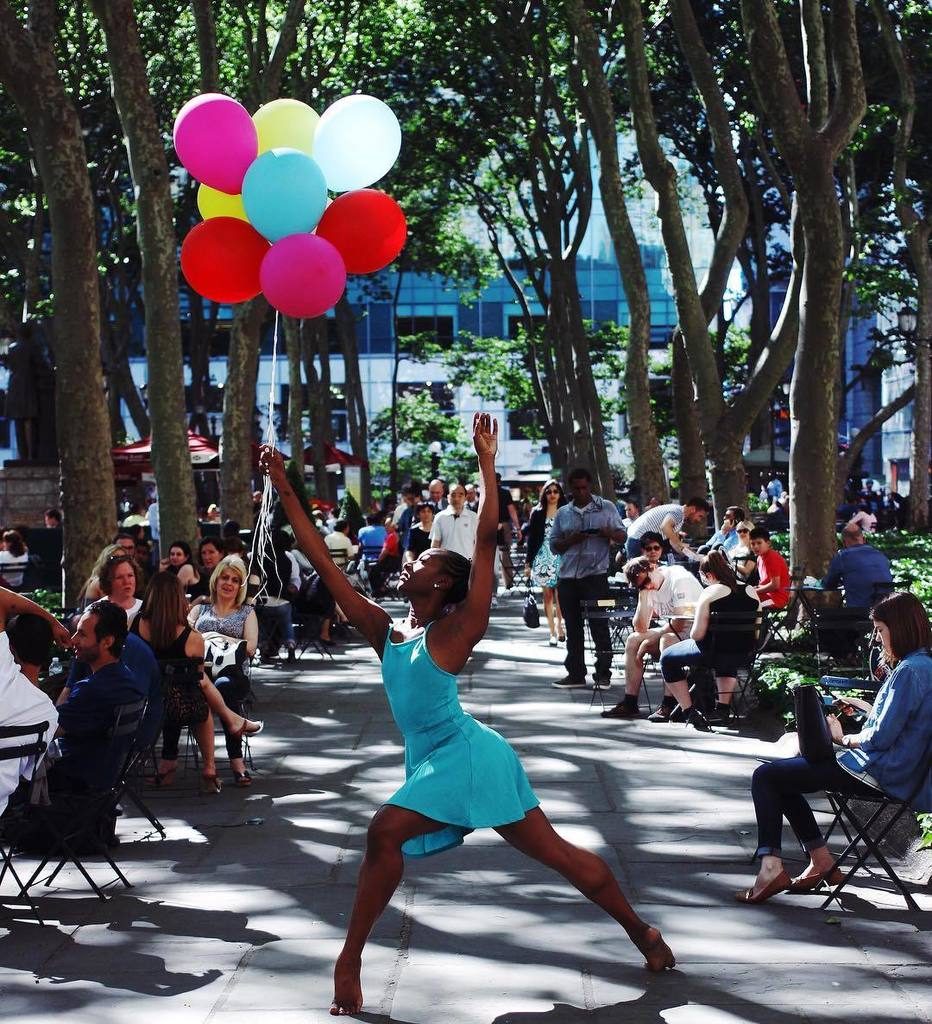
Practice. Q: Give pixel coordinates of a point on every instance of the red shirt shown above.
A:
(391, 546)
(771, 565)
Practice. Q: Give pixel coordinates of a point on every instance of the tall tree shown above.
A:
(810, 136)
(30, 73)
(156, 232)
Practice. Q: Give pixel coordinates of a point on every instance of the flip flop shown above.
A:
(780, 884)
(800, 884)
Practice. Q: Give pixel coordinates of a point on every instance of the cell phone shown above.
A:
(592, 530)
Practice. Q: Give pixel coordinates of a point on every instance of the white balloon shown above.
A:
(356, 142)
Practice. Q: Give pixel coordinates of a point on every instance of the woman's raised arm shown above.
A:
(371, 620)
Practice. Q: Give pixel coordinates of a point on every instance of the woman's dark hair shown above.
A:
(719, 566)
(213, 542)
(110, 567)
(30, 637)
(542, 498)
(458, 568)
(184, 546)
(164, 607)
(14, 543)
(903, 614)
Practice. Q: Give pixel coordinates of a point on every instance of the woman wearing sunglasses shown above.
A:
(543, 565)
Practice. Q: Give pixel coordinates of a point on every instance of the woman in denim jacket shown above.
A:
(890, 753)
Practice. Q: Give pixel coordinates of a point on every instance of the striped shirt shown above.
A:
(649, 521)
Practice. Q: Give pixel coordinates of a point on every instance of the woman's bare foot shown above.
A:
(656, 952)
(347, 989)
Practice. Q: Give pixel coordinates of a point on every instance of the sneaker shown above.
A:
(663, 714)
(553, 640)
(722, 715)
(697, 720)
(601, 682)
(623, 710)
(569, 683)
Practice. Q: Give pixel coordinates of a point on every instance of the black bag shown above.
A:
(531, 614)
(815, 739)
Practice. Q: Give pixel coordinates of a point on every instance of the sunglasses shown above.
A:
(743, 531)
(652, 547)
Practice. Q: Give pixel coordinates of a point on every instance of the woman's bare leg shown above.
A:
(534, 836)
(232, 722)
(204, 736)
(548, 610)
(379, 875)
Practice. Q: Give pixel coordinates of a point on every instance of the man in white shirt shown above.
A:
(667, 592)
(341, 548)
(454, 528)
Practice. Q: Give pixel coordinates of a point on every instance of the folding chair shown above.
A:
(842, 634)
(617, 612)
(12, 816)
(74, 820)
(860, 840)
(738, 633)
(777, 630)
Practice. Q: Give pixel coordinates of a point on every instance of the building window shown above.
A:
(437, 328)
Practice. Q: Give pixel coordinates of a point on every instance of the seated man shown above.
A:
(372, 537)
(726, 536)
(859, 568)
(667, 591)
(85, 710)
(26, 631)
(341, 548)
(774, 586)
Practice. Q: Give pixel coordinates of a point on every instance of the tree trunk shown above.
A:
(295, 391)
(595, 96)
(239, 404)
(353, 393)
(316, 354)
(729, 477)
(29, 72)
(155, 228)
(686, 416)
(922, 407)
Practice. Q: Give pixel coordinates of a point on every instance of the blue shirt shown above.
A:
(893, 747)
(728, 541)
(858, 568)
(371, 538)
(86, 716)
(590, 557)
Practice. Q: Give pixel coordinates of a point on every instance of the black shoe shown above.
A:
(663, 714)
(722, 715)
(697, 720)
(569, 683)
(622, 710)
(292, 657)
(601, 682)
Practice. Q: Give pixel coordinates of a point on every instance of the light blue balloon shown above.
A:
(284, 193)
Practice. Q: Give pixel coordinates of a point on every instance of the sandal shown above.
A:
(242, 779)
(210, 784)
(244, 729)
(163, 779)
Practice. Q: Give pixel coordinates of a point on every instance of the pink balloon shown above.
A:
(216, 140)
(302, 276)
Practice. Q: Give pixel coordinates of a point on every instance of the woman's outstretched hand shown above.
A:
(485, 434)
(273, 465)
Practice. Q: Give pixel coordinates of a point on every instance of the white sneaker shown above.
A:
(553, 640)
(494, 603)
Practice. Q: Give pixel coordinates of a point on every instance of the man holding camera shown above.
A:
(582, 533)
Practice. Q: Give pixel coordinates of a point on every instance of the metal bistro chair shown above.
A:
(13, 816)
(738, 633)
(842, 635)
(617, 612)
(778, 626)
(74, 821)
(862, 843)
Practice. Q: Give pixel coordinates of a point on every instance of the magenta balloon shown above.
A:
(216, 140)
(302, 276)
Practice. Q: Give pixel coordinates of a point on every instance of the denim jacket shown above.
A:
(894, 745)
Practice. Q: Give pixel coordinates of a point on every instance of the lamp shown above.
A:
(907, 320)
(435, 448)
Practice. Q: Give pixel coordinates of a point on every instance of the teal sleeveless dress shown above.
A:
(457, 771)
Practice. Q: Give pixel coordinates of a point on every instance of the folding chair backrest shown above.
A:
(37, 746)
(181, 671)
(126, 718)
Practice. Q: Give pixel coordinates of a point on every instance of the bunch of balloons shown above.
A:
(268, 223)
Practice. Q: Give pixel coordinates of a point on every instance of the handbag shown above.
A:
(815, 739)
(183, 700)
(222, 652)
(530, 614)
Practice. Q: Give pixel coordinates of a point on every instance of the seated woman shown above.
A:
(724, 592)
(181, 564)
(889, 753)
(227, 613)
(14, 559)
(743, 559)
(119, 582)
(209, 553)
(162, 624)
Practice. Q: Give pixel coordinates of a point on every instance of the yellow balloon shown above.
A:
(286, 124)
(213, 203)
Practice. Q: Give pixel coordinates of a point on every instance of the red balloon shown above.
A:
(367, 227)
(220, 258)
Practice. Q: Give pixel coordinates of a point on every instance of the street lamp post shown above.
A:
(435, 448)
(785, 389)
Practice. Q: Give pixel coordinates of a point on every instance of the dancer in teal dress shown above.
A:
(459, 775)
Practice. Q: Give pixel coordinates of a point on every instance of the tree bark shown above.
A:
(315, 351)
(686, 417)
(353, 392)
(295, 392)
(30, 74)
(239, 404)
(595, 97)
(810, 154)
(155, 229)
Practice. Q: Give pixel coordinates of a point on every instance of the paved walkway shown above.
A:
(240, 912)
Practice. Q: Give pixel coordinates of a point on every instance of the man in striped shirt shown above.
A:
(667, 520)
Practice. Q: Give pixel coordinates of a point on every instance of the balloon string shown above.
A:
(262, 535)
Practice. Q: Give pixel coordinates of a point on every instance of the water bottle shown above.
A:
(55, 667)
